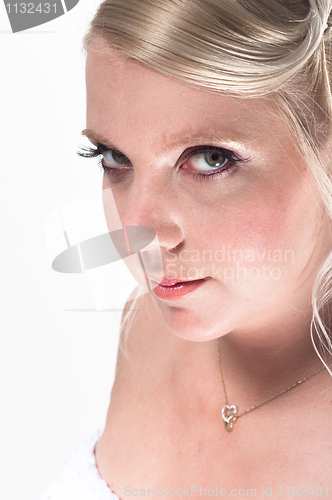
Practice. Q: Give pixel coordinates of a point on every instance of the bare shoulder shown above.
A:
(138, 372)
(141, 345)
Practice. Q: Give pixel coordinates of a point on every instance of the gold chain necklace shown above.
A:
(230, 413)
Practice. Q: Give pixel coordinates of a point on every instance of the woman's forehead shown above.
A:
(108, 71)
(126, 96)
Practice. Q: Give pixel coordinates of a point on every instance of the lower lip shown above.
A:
(178, 291)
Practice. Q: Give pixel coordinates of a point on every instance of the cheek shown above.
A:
(118, 196)
(264, 220)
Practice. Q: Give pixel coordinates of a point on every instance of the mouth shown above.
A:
(175, 289)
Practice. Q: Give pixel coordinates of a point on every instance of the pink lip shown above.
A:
(166, 281)
(174, 289)
(170, 281)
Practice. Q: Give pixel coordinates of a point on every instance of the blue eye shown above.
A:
(114, 159)
(206, 161)
(111, 159)
(203, 162)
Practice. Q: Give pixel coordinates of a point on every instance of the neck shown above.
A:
(257, 365)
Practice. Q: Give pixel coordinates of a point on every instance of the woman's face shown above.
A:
(220, 181)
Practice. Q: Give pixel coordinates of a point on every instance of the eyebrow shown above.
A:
(174, 141)
(193, 139)
(97, 138)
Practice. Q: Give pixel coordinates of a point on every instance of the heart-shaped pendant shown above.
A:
(229, 415)
(224, 412)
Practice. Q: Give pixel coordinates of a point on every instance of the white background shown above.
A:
(56, 364)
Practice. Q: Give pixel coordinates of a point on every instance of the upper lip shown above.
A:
(166, 281)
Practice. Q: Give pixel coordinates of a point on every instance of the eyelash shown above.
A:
(88, 152)
(229, 155)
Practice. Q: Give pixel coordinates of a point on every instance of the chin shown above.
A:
(189, 325)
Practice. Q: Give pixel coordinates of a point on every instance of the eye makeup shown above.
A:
(217, 161)
(202, 162)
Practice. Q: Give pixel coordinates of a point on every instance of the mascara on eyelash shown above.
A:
(230, 155)
(89, 152)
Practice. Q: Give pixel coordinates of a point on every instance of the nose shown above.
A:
(152, 203)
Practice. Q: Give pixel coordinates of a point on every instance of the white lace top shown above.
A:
(80, 478)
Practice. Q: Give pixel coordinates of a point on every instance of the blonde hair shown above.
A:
(247, 48)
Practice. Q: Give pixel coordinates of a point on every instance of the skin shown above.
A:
(164, 425)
